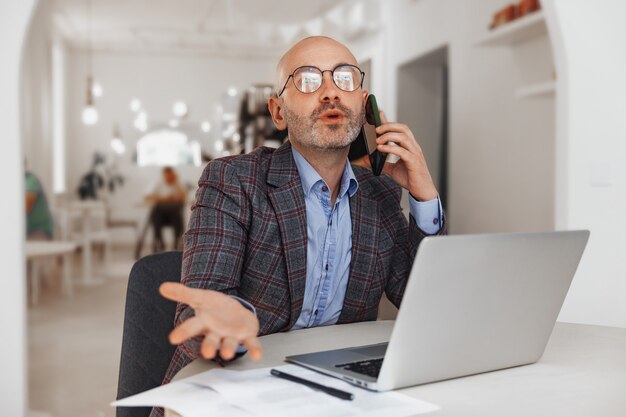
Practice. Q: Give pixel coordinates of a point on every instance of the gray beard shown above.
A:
(303, 130)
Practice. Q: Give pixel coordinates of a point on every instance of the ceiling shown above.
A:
(222, 27)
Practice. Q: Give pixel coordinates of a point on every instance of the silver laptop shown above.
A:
(473, 303)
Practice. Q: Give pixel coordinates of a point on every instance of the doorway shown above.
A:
(423, 106)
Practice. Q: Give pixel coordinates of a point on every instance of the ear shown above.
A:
(274, 104)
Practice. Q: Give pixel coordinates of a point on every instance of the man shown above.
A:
(39, 225)
(168, 197)
(296, 237)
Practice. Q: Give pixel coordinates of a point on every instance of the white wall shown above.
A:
(36, 95)
(13, 23)
(157, 80)
(59, 134)
(419, 106)
(504, 164)
(591, 168)
(501, 149)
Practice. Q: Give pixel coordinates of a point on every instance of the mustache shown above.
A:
(331, 106)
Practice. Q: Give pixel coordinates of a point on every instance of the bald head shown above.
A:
(318, 51)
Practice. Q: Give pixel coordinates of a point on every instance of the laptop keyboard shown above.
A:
(370, 367)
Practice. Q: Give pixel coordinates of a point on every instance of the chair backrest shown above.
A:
(60, 220)
(92, 211)
(148, 319)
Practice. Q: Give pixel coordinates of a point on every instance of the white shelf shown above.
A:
(537, 90)
(517, 31)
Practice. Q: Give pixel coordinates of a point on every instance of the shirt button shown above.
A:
(324, 188)
(435, 221)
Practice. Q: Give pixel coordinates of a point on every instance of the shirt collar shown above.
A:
(309, 176)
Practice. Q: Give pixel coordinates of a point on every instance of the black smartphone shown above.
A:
(372, 119)
(365, 143)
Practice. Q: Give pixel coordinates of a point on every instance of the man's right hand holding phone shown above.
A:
(410, 171)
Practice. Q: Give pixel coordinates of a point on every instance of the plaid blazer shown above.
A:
(247, 237)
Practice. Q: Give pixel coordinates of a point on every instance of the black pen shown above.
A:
(328, 390)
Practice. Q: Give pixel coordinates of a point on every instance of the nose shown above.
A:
(329, 91)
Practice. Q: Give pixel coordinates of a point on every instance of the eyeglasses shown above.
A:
(309, 79)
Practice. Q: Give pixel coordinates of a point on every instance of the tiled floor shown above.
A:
(74, 345)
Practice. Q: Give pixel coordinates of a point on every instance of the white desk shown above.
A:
(582, 372)
(36, 250)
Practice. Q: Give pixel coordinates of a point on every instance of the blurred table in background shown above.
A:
(37, 250)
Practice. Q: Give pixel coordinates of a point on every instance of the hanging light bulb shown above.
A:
(97, 90)
(116, 143)
(135, 105)
(180, 109)
(90, 113)
(141, 121)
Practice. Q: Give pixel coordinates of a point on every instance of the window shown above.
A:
(167, 148)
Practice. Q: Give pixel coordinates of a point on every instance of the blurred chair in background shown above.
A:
(87, 225)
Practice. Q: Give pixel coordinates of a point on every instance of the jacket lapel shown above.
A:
(287, 199)
(364, 213)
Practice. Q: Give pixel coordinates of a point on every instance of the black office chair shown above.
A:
(148, 319)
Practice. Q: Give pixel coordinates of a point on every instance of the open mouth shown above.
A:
(332, 116)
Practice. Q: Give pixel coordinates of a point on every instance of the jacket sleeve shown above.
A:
(408, 238)
(215, 241)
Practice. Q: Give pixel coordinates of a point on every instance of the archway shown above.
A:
(14, 24)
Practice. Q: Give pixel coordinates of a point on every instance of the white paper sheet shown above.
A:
(187, 399)
(258, 393)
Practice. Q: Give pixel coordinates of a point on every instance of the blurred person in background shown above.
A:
(39, 225)
(168, 198)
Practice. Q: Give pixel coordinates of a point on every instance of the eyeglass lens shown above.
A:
(309, 79)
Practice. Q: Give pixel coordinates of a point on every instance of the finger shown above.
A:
(394, 127)
(178, 292)
(189, 328)
(228, 348)
(390, 137)
(383, 118)
(170, 290)
(400, 140)
(210, 345)
(395, 150)
(254, 348)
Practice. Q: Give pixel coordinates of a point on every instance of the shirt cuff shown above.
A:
(245, 303)
(427, 214)
(241, 348)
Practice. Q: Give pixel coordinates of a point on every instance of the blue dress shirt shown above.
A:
(329, 241)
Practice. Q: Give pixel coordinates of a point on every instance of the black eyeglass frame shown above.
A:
(332, 75)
